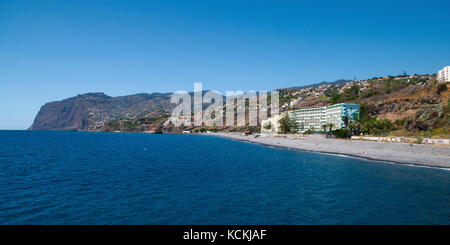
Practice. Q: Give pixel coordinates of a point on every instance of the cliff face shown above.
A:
(422, 106)
(91, 111)
(409, 99)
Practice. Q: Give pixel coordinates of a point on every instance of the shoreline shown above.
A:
(406, 154)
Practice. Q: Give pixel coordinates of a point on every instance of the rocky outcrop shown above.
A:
(427, 117)
(398, 105)
(410, 98)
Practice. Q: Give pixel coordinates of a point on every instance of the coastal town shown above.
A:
(309, 121)
(404, 114)
(403, 108)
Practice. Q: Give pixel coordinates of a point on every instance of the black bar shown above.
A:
(253, 234)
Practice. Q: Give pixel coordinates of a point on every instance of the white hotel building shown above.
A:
(314, 118)
(444, 74)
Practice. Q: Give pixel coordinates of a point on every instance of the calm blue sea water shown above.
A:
(115, 178)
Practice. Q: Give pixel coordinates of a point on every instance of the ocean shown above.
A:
(126, 178)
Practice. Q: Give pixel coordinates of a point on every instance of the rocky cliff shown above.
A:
(89, 112)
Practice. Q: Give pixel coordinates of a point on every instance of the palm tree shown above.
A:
(324, 126)
(351, 126)
(357, 126)
(330, 125)
(346, 121)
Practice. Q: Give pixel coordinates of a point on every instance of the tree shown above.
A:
(370, 125)
(330, 125)
(324, 126)
(351, 127)
(399, 122)
(331, 92)
(267, 126)
(342, 133)
(374, 126)
(441, 87)
(355, 116)
(345, 119)
(364, 112)
(354, 128)
(335, 98)
(288, 125)
(357, 127)
(351, 93)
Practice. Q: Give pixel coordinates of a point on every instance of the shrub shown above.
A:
(342, 133)
(418, 140)
(441, 87)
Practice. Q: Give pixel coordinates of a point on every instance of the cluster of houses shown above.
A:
(319, 90)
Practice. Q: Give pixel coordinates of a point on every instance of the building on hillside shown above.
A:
(314, 118)
(444, 74)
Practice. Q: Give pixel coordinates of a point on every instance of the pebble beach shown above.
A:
(403, 153)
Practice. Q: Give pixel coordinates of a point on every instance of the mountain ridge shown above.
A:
(89, 111)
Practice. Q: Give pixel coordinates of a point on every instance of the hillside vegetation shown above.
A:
(400, 105)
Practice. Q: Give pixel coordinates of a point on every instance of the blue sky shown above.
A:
(51, 50)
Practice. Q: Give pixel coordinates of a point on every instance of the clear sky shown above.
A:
(51, 50)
